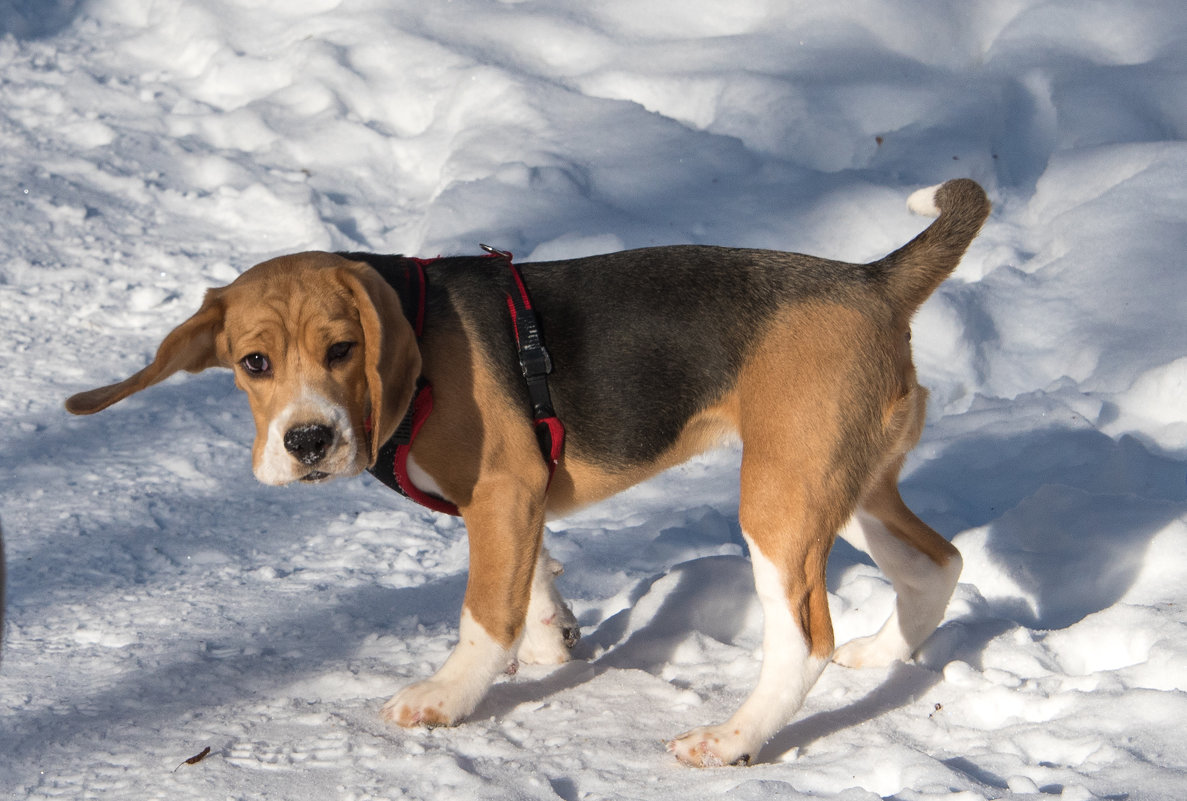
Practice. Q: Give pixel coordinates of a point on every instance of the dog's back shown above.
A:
(645, 339)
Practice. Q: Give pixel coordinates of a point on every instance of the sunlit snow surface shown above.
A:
(162, 601)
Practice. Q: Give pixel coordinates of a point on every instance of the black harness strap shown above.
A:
(391, 464)
(535, 364)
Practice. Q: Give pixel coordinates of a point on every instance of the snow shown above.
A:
(161, 601)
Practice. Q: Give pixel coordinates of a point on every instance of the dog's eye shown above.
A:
(256, 364)
(339, 352)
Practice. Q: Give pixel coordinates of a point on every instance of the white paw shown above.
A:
(547, 642)
(874, 651)
(458, 686)
(426, 703)
(551, 630)
(714, 747)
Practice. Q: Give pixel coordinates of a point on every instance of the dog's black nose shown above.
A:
(308, 443)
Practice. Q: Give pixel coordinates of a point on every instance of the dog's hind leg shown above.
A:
(789, 539)
(810, 412)
(922, 566)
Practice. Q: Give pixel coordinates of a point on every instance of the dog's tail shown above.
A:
(914, 271)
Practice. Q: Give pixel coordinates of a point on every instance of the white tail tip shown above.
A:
(923, 201)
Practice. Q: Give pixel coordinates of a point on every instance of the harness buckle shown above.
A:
(535, 361)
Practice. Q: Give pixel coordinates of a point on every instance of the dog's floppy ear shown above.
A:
(391, 355)
(190, 346)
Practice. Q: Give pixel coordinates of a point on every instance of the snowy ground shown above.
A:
(161, 601)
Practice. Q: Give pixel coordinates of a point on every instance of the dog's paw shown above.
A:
(874, 651)
(427, 703)
(548, 640)
(551, 630)
(713, 747)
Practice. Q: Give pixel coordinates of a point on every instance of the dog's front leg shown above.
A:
(505, 523)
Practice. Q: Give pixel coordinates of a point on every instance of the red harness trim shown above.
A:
(535, 363)
(419, 410)
(422, 406)
(418, 325)
(556, 441)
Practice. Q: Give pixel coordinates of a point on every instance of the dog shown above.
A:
(657, 354)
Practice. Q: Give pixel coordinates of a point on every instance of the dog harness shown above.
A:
(391, 464)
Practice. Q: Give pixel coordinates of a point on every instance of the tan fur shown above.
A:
(881, 498)
(500, 493)
(796, 396)
(578, 483)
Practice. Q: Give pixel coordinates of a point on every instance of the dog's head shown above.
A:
(322, 349)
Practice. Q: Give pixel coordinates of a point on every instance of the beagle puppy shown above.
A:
(658, 354)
